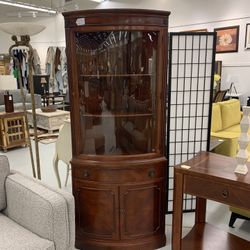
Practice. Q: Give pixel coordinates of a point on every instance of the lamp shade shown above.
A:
(21, 28)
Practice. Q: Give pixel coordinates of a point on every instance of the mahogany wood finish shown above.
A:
(117, 61)
(211, 176)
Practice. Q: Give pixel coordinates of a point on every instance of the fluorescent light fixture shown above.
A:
(28, 6)
(98, 1)
(21, 28)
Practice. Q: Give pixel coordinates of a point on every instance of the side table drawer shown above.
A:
(217, 191)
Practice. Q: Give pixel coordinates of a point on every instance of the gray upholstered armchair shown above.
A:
(32, 215)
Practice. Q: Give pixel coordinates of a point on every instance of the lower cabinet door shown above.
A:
(142, 210)
(97, 210)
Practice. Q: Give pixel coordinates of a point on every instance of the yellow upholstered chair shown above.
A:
(238, 213)
(225, 124)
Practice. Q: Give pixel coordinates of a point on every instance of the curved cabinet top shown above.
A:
(116, 17)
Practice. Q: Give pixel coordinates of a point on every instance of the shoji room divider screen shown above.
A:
(191, 70)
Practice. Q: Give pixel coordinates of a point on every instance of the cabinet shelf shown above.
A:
(116, 75)
(205, 236)
(105, 115)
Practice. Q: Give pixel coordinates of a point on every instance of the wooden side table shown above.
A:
(52, 99)
(13, 131)
(50, 121)
(48, 99)
(211, 176)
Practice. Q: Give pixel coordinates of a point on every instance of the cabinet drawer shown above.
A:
(116, 175)
(217, 191)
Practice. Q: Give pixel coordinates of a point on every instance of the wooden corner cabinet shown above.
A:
(117, 61)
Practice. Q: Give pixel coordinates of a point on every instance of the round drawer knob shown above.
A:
(152, 173)
(225, 193)
(85, 174)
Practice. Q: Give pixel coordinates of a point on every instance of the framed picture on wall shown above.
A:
(198, 30)
(247, 38)
(227, 39)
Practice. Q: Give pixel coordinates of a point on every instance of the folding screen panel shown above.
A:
(191, 67)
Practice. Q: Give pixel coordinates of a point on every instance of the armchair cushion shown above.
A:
(4, 172)
(230, 113)
(234, 129)
(216, 124)
(40, 210)
(14, 236)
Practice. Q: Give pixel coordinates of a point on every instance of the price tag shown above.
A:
(80, 21)
(185, 166)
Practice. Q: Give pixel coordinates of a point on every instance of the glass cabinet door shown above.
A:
(117, 91)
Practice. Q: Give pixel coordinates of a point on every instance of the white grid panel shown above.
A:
(189, 103)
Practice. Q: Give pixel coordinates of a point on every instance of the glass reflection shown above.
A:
(117, 91)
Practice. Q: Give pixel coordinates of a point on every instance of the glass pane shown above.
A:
(117, 89)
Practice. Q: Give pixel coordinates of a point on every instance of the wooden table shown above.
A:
(48, 99)
(211, 176)
(53, 99)
(13, 131)
(48, 120)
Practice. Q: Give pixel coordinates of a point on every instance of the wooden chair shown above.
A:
(63, 150)
(220, 95)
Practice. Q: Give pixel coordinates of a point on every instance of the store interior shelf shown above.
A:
(205, 236)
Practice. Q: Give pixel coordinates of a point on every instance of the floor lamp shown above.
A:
(25, 30)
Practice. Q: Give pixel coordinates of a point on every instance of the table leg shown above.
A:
(200, 212)
(177, 211)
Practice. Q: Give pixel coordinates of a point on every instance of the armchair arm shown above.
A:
(46, 212)
(225, 135)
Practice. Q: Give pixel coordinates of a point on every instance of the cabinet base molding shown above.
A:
(149, 243)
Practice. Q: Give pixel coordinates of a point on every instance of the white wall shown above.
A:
(52, 35)
(185, 15)
(235, 66)
(197, 14)
(7, 82)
